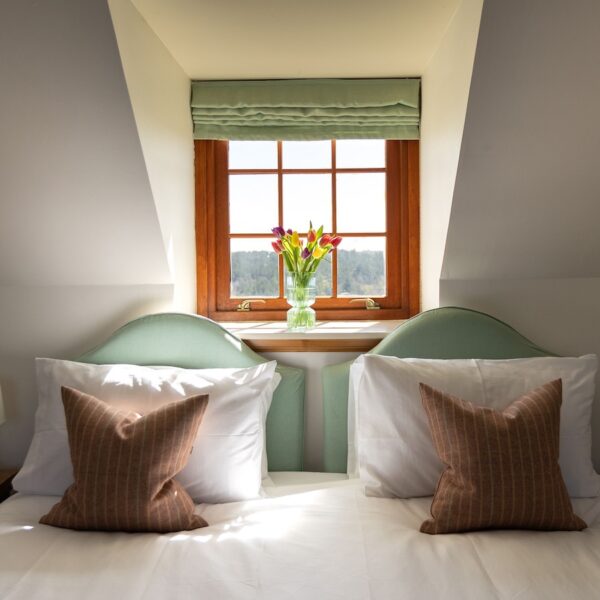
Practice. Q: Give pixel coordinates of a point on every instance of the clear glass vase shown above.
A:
(300, 293)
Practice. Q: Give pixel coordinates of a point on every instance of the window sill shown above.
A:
(327, 336)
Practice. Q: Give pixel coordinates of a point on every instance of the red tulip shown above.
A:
(325, 239)
(277, 246)
(312, 236)
(336, 241)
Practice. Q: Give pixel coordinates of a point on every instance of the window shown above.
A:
(364, 190)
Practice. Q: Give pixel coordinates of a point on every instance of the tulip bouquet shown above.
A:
(302, 260)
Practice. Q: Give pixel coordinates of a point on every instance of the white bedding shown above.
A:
(313, 537)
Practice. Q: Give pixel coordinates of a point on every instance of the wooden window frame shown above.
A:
(402, 235)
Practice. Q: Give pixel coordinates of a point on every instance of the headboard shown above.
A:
(195, 342)
(444, 333)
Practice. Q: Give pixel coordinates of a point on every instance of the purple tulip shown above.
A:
(278, 232)
(305, 253)
(289, 232)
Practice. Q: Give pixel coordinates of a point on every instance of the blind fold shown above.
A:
(306, 109)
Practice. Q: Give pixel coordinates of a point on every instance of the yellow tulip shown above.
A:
(318, 252)
(295, 239)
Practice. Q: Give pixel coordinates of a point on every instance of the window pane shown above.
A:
(253, 204)
(252, 155)
(360, 154)
(361, 267)
(361, 202)
(324, 278)
(305, 198)
(254, 269)
(306, 155)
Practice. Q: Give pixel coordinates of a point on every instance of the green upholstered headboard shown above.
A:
(444, 333)
(194, 342)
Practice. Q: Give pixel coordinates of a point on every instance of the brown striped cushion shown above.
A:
(502, 468)
(123, 465)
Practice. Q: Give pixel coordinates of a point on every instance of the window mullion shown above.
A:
(280, 212)
(333, 255)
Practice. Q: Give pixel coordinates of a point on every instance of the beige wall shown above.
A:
(160, 96)
(445, 91)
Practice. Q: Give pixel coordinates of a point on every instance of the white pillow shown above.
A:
(225, 464)
(389, 444)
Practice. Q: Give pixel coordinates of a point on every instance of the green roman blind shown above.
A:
(306, 109)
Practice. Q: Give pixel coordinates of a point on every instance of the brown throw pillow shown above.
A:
(502, 468)
(123, 465)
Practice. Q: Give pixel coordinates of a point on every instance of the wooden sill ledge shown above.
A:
(327, 336)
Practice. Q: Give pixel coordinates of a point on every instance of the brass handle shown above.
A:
(370, 304)
(244, 305)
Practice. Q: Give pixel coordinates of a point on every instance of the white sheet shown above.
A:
(311, 538)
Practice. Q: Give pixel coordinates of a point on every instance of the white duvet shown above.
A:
(311, 538)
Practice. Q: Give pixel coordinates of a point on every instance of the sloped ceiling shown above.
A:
(77, 207)
(241, 39)
(527, 195)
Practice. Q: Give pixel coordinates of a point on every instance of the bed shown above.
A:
(312, 535)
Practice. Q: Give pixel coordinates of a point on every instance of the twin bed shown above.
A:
(311, 535)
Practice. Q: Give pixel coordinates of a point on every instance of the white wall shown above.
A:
(445, 91)
(312, 363)
(80, 243)
(522, 241)
(160, 96)
(562, 315)
(60, 322)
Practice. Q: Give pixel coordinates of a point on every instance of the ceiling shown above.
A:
(246, 39)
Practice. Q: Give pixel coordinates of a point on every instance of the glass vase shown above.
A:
(300, 293)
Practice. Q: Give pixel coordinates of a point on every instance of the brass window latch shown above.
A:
(244, 305)
(370, 304)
